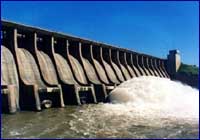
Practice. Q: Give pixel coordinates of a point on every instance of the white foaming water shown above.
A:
(143, 107)
(156, 97)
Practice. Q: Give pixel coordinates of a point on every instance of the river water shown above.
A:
(145, 107)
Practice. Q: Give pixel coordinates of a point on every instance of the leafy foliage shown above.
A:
(189, 69)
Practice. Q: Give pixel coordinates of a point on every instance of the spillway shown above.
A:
(55, 70)
(96, 90)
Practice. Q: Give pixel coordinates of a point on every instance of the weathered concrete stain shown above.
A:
(9, 82)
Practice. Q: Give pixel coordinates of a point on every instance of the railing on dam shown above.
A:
(42, 68)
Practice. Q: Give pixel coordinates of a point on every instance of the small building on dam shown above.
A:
(43, 69)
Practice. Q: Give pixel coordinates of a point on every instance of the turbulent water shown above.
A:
(145, 107)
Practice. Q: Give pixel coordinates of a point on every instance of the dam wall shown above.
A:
(43, 69)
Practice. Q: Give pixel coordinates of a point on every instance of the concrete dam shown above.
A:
(42, 69)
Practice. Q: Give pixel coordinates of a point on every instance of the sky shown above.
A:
(148, 27)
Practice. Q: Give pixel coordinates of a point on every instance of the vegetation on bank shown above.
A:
(189, 69)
